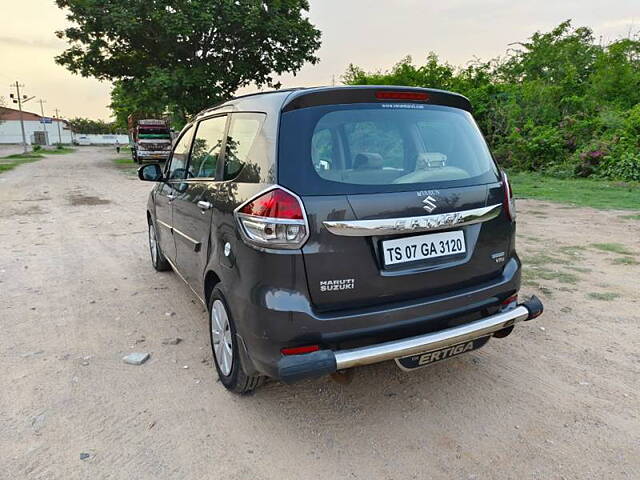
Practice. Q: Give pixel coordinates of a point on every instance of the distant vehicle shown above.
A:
(82, 140)
(150, 138)
(329, 228)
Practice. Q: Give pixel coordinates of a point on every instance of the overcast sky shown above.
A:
(373, 34)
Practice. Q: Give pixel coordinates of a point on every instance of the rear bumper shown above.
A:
(152, 155)
(276, 318)
(323, 362)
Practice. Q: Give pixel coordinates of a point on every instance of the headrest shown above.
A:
(367, 161)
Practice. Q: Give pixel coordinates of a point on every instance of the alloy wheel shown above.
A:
(221, 335)
(153, 244)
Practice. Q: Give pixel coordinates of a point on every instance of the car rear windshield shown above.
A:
(365, 148)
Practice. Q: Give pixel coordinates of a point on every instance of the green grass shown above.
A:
(58, 151)
(8, 163)
(605, 296)
(624, 261)
(124, 161)
(576, 252)
(534, 274)
(579, 191)
(126, 165)
(613, 248)
(22, 156)
(538, 259)
(579, 269)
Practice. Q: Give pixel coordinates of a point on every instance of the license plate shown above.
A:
(421, 247)
(425, 359)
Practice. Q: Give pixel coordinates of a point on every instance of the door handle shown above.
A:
(171, 198)
(204, 205)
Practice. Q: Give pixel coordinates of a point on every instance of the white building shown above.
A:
(37, 129)
(101, 139)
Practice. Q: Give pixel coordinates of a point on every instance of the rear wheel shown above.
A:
(158, 260)
(224, 346)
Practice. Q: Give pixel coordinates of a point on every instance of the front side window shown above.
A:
(243, 130)
(207, 146)
(177, 167)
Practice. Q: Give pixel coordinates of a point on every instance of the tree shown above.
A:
(86, 125)
(185, 55)
(558, 102)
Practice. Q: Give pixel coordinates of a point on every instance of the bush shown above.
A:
(559, 103)
(535, 147)
(626, 167)
(37, 148)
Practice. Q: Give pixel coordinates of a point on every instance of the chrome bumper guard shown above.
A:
(323, 362)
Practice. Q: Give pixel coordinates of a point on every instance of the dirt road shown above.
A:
(558, 399)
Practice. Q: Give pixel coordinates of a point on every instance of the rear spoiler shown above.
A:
(371, 94)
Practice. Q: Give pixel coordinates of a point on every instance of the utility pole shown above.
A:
(58, 122)
(18, 99)
(44, 123)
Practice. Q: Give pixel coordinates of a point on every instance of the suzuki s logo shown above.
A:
(429, 204)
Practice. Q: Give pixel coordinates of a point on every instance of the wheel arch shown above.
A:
(211, 279)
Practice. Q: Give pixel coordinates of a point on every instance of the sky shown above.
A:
(373, 34)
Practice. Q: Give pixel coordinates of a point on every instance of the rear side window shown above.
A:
(243, 131)
(381, 147)
(206, 147)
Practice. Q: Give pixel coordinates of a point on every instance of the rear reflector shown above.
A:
(387, 95)
(509, 303)
(511, 299)
(300, 350)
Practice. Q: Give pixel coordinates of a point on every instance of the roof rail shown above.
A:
(219, 104)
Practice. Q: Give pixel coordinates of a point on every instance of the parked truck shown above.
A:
(150, 138)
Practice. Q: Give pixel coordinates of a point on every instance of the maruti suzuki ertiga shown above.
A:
(327, 228)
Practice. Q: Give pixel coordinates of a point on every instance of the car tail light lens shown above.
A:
(390, 95)
(275, 219)
(509, 203)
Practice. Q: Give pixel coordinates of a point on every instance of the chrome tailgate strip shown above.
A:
(425, 223)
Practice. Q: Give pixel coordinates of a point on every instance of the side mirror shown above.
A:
(150, 173)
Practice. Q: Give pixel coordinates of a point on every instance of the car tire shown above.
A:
(158, 260)
(224, 348)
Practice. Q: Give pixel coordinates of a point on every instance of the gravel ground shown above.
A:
(558, 399)
(10, 149)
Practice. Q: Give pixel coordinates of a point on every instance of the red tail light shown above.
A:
(275, 204)
(300, 350)
(389, 95)
(274, 219)
(509, 203)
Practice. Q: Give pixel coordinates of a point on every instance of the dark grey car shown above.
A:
(327, 228)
